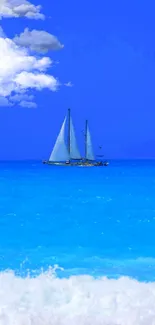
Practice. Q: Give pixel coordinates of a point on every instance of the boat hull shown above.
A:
(76, 164)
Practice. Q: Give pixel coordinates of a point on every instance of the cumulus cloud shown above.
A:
(20, 8)
(21, 72)
(23, 100)
(28, 104)
(2, 34)
(21, 97)
(38, 41)
(26, 80)
(4, 102)
(13, 61)
(69, 84)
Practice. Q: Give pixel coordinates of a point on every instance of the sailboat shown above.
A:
(69, 154)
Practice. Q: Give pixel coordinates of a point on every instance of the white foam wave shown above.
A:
(49, 300)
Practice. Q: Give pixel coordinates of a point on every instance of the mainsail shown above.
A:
(60, 152)
(89, 147)
(74, 150)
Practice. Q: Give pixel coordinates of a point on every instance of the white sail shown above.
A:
(60, 152)
(74, 151)
(89, 149)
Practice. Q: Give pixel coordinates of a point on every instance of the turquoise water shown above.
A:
(57, 224)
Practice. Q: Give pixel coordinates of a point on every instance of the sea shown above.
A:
(77, 244)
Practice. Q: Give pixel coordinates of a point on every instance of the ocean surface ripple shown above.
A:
(77, 244)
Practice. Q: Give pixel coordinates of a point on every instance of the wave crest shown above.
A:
(49, 300)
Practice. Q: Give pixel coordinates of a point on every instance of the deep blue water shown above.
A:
(98, 221)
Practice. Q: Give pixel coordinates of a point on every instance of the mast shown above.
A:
(69, 126)
(86, 130)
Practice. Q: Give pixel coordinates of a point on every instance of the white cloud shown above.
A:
(21, 97)
(2, 34)
(26, 80)
(14, 59)
(38, 40)
(69, 84)
(20, 71)
(4, 102)
(24, 103)
(20, 8)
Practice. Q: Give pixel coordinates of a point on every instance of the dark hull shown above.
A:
(77, 164)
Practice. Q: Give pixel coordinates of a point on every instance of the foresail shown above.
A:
(74, 150)
(90, 154)
(60, 152)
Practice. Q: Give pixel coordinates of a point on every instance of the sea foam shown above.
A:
(49, 300)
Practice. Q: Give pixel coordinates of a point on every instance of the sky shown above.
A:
(95, 57)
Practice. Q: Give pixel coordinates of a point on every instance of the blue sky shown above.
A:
(104, 49)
